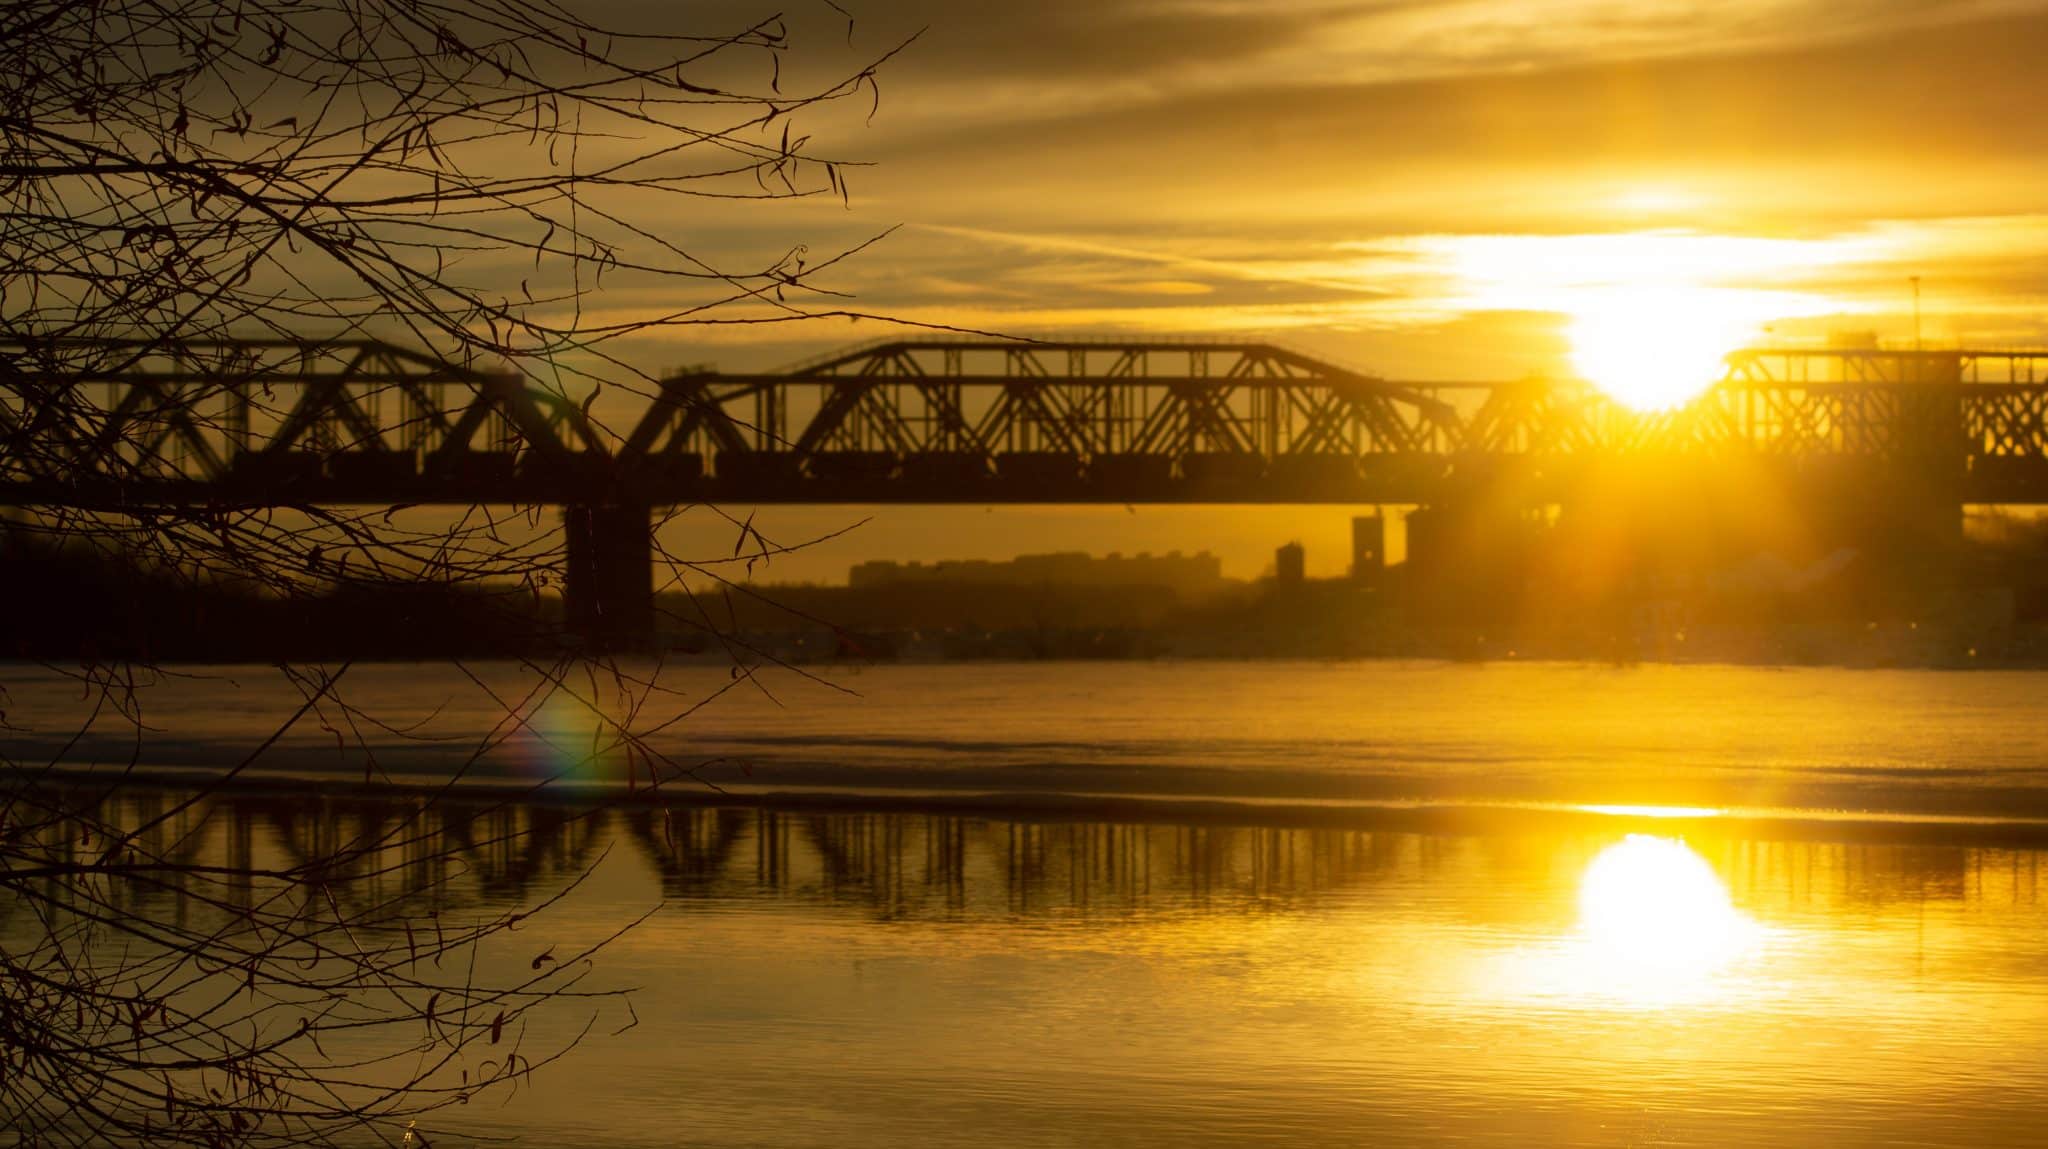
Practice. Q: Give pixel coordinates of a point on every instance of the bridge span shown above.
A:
(969, 421)
(115, 425)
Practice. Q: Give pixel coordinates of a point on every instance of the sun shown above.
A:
(1650, 316)
(1657, 348)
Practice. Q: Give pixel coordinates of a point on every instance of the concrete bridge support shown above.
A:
(608, 583)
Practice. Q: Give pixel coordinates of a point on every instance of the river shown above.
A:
(1284, 932)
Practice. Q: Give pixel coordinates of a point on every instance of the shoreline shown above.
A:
(774, 658)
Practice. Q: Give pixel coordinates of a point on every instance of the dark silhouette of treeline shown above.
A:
(71, 603)
(937, 619)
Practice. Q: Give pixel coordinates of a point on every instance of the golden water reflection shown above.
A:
(1626, 811)
(866, 978)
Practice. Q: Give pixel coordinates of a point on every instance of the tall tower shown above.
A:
(1368, 549)
(1290, 565)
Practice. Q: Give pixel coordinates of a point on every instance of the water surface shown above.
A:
(861, 979)
(1888, 741)
(844, 977)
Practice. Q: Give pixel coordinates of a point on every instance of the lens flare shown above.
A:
(566, 739)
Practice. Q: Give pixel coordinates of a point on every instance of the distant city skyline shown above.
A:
(1242, 538)
(1201, 572)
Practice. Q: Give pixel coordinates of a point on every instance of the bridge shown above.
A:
(293, 422)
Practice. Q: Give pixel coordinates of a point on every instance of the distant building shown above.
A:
(1290, 565)
(1186, 575)
(1368, 549)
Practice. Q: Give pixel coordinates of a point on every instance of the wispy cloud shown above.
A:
(1061, 58)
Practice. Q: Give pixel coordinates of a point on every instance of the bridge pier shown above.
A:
(1911, 529)
(608, 576)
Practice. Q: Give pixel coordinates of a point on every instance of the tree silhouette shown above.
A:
(219, 187)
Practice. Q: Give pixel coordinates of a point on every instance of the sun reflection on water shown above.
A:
(1652, 907)
(1656, 927)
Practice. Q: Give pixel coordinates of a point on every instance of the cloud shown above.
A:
(1928, 123)
(983, 64)
(1226, 165)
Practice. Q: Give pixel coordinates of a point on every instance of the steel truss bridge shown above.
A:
(956, 421)
(973, 421)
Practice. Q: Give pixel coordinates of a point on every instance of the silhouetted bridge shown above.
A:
(973, 421)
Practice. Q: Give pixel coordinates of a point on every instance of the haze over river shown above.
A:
(1844, 943)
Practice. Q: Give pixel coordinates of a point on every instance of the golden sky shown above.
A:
(1426, 188)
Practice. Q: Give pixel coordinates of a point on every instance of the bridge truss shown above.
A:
(953, 421)
(274, 421)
